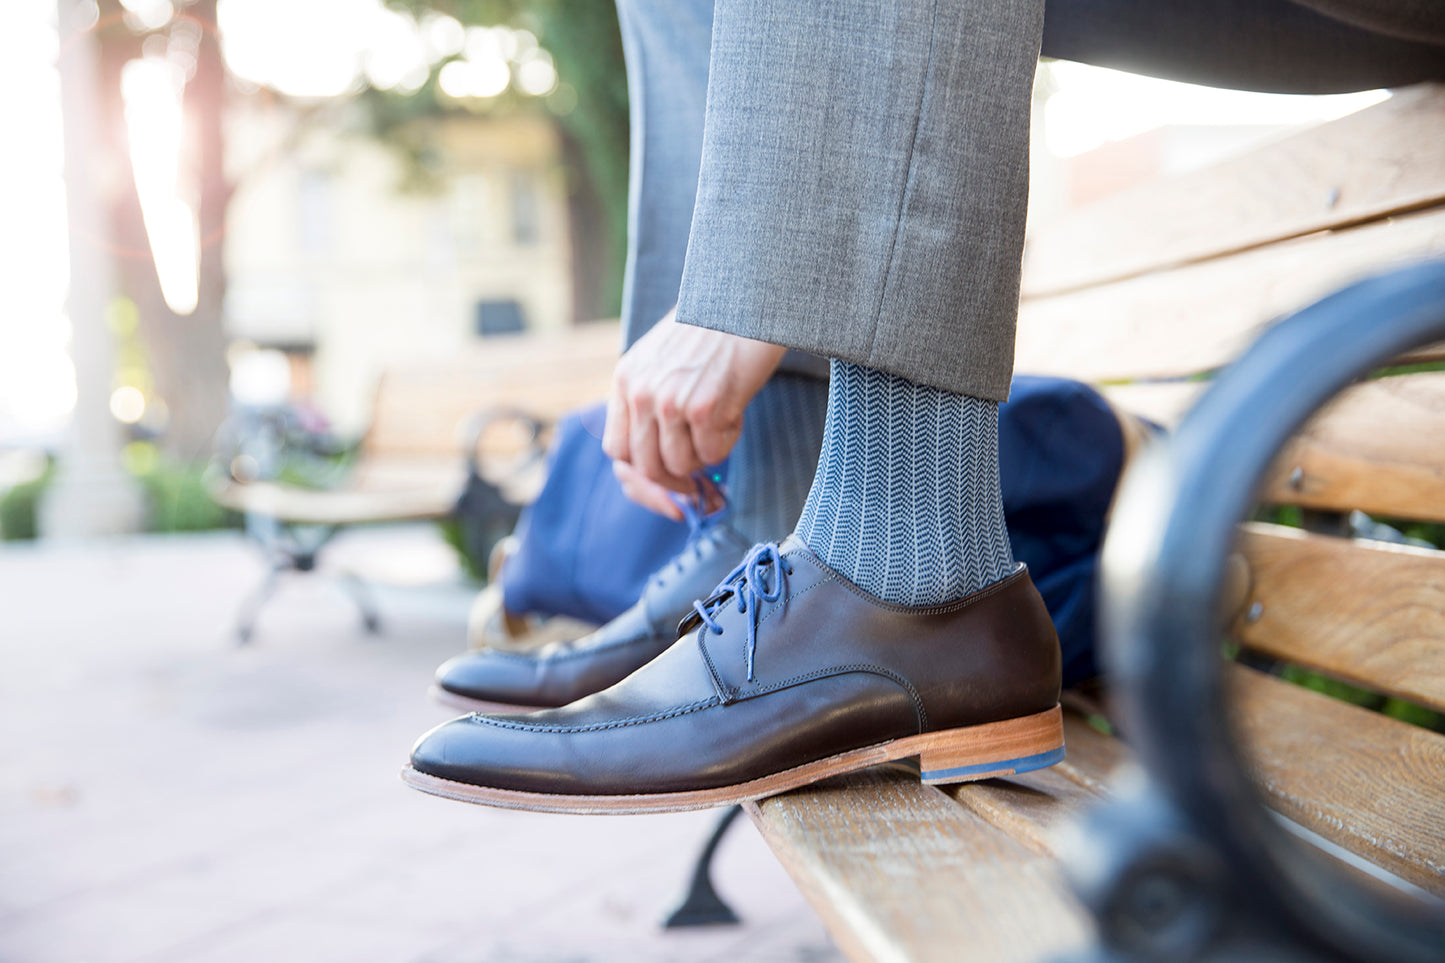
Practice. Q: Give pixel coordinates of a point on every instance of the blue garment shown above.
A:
(584, 549)
(1060, 455)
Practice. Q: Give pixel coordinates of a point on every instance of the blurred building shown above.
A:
(345, 260)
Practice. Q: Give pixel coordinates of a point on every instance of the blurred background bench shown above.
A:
(482, 411)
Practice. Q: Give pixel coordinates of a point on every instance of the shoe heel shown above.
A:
(995, 749)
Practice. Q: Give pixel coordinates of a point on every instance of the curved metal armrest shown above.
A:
(476, 427)
(1192, 866)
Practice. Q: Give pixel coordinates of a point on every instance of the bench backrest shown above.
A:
(1148, 291)
(422, 409)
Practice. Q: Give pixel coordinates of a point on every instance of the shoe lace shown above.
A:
(758, 579)
(702, 529)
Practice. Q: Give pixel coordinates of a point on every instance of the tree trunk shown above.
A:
(185, 354)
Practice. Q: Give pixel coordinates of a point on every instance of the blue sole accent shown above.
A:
(1021, 764)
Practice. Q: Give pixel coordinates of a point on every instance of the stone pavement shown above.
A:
(168, 797)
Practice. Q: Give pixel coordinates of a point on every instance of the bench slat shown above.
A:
(420, 407)
(1162, 402)
(1373, 785)
(1032, 807)
(1366, 612)
(1176, 323)
(899, 871)
(1378, 447)
(1383, 160)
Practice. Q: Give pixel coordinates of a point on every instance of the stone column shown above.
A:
(91, 494)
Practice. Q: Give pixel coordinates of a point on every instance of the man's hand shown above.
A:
(677, 405)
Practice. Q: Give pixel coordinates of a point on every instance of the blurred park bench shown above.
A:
(433, 422)
(1147, 295)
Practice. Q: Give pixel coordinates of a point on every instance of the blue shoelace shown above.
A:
(758, 579)
(700, 525)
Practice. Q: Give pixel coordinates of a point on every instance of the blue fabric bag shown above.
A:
(586, 550)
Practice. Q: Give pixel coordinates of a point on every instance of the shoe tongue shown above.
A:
(721, 548)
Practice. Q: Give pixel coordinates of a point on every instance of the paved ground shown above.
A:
(166, 796)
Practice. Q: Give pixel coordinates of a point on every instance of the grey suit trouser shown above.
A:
(849, 178)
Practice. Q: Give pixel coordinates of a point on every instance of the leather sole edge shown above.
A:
(949, 756)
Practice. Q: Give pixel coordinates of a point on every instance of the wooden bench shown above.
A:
(1145, 294)
(413, 461)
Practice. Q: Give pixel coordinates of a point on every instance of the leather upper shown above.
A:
(563, 672)
(834, 670)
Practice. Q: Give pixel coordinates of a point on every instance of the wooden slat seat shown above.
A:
(903, 871)
(1369, 783)
(1379, 163)
(410, 493)
(1194, 318)
(1145, 295)
(1367, 612)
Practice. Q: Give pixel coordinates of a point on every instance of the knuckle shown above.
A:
(700, 411)
(640, 397)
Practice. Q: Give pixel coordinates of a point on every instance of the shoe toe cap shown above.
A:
(486, 751)
(506, 677)
(445, 750)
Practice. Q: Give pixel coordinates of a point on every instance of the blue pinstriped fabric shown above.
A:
(906, 500)
(771, 467)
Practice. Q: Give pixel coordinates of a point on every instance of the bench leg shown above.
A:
(251, 608)
(701, 905)
(361, 594)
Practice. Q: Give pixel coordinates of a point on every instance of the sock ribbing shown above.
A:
(906, 500)
(771, 468)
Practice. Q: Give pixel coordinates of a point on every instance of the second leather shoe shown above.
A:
(787, 674)
(493, 680)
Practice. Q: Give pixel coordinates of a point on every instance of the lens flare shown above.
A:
(151, 88)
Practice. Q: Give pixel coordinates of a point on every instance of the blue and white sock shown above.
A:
(906, 500)
(771, 467)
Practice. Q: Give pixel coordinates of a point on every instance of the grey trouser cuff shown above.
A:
(862, 195)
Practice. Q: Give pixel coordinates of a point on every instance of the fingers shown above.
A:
(616, 429)
(714, 426)
(678, 397)
(647, 440)
(714, 416)
(680, 456)
(645, 492)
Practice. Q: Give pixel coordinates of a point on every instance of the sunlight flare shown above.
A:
(151, 88)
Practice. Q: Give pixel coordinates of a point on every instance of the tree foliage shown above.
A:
(590, 109)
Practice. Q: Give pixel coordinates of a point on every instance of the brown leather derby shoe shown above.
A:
(787, 674)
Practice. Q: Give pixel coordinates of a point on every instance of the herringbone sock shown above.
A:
(771, 467)
(906, 500)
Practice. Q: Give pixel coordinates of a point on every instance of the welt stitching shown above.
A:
(619, 724)
(724, 691)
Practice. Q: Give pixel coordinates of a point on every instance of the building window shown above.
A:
(499, 317)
